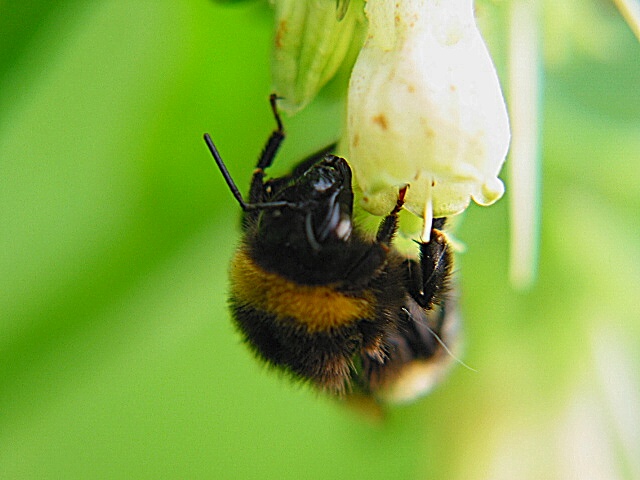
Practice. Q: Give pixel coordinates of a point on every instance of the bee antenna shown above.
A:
(225, 173)
(236, 192)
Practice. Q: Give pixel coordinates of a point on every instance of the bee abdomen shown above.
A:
(316, 307)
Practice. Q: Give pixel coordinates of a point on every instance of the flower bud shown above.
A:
(312, 38)
(426, 110)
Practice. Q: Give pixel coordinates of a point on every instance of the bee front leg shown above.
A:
(257, 190)
(389, 226)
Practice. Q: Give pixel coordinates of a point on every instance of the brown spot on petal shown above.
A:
(381, 120)
(355, 141)
(280, 32)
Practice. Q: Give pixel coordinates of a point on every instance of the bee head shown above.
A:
(313, 226)
(318, 214)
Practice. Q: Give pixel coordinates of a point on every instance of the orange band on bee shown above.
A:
(319, 308)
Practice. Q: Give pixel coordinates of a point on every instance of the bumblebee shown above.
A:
(318, 298)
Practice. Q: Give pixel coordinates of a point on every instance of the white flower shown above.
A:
(426, 109)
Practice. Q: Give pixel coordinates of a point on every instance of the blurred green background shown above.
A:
(117, 355)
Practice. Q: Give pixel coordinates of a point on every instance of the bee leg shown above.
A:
(414, 273)
(257, 190)
(429, 284)
(389, 224)
(375, 255)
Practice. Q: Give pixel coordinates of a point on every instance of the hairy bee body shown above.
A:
(318, 298)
